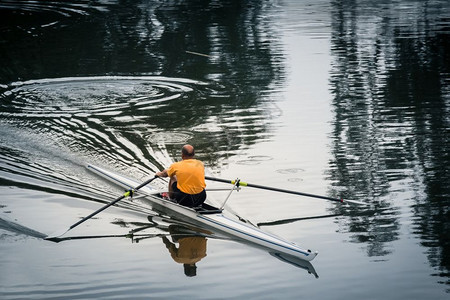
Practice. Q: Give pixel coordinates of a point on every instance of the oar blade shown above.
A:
(355, 202)
(56, 236)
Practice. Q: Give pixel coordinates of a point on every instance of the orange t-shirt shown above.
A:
(190, 175)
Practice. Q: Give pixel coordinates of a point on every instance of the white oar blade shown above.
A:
(55, 237)
(355, 202)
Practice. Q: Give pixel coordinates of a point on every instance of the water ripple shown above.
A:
(50, 13)
(106, 119)
(133, 124)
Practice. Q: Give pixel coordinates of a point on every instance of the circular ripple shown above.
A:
(255, 160)
(109, 117)
(170, 137)
(290, 171)
(94, 95)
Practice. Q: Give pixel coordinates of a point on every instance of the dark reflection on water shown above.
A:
(143, 37)
(102, 115)
(391, 128)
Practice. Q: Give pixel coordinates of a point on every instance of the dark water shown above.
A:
(337, 98)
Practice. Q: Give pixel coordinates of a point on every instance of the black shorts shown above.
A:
(188, 199)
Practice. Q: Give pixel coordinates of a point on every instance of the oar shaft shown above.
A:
(111, 203)
(241, 183)
(96, 212)
(219, 180)
(292, 192)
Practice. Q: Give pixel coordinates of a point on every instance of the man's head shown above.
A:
(190, 270)
(187, 152)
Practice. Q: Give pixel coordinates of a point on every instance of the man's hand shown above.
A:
(162, 174)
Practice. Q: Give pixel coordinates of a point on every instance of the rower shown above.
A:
(191, 247)
(187, 179)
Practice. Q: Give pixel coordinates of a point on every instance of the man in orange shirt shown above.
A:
(191, 249)
(187, 179)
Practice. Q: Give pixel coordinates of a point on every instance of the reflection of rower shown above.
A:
(191, 249)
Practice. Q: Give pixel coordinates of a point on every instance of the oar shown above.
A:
(56, 236)
(292, 220)
(241, 183)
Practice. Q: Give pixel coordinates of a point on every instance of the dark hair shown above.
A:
(185, 151)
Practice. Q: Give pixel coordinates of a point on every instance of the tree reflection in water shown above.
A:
(390, 138)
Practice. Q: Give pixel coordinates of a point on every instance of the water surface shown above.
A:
(339, 98)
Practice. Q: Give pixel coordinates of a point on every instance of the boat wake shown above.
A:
(14, 227)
